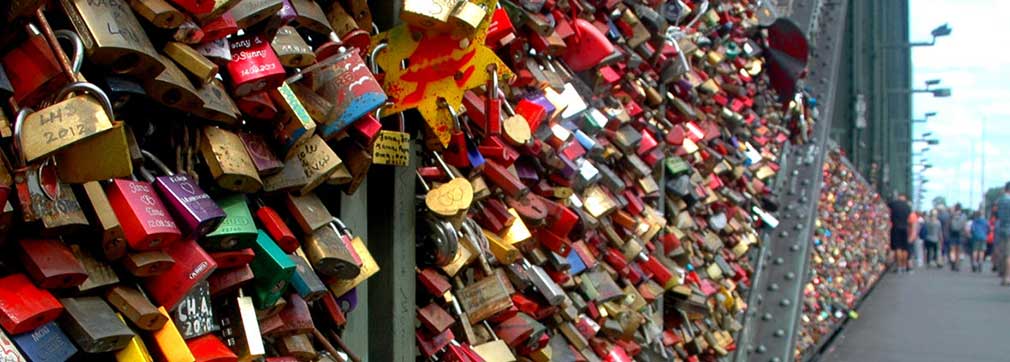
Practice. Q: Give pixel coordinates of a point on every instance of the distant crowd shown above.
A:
(943, 236)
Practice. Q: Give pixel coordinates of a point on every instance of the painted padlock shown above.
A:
(145, 220)
(196, 213)
(346, 81)
(254, 66)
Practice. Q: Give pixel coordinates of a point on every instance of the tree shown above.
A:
(991, 195)
(939, 201)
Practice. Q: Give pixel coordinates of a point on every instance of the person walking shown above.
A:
(957, 222)
(1003, 233)
(932, 235)
(944, 214)
(900, 210)
(979, 234)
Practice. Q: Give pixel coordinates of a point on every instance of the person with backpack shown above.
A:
(979, 234)
(931, 233)
(957, 222)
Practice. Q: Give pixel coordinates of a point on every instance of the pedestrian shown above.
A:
(979, 234)
(958, 220)
(943, 213)
(932, 235)
(1003, 233)
(915, 250)
(900, 211)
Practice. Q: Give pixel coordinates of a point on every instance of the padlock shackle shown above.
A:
(78, 57)
(375, 54)
(19, 122)
(341, 227)
(700, 11)
(91, 89)
(441, 162)
(145, 174)
(157, 163)
(423, 182)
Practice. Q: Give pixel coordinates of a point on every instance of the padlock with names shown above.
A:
(237, 228)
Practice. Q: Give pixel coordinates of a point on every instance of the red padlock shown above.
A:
(34, 69)
(233, 258)
(210, 348)
(258, 106)
(23, 306)
(254, 67)
(51, 264)
(587, 49)
(192, 266)
(276, 228)
(145, 220)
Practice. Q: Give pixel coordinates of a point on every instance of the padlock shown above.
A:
(298, 346)
(467, 16)
(145, 220)
(291, 48)
(305, 281)
(172, 88)
(254, 66)
(168, 342)
(484, 298)
(195, 211)
(237, 228)
(133, 304)
(250, 13)
(308, 211)
(192, 61)
(345, 81)
(227, 281)
(217, 104)
(229, 164)
(296, 316)
(24, 306)
(147, 263)
(93, 326)
(295, 126)
(159, 13)
(345, 288)
(233, 259)
(113, 37)
(46, 343)
(51, 264)
(240, 329)
(42, 71)
(276, 228)
(290, 179)
(273, 270)
(135, 351)
(50, 131)
(194, 316)
(265, 160)
(428, 14)
(318, 162)
(331, 252)
(192, 266)
(100, 274)
(210, 348)
(310, 16)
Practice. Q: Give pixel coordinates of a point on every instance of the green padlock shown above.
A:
(238, 227)
(272, 270)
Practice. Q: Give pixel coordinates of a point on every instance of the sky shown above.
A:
(973, 62)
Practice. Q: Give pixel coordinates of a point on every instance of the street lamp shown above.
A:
(940, 31)
(937, 92)
(929, 141)
(924, 119)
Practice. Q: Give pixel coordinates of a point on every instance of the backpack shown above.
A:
(980, 229)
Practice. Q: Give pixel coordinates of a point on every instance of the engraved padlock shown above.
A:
(254, 66)
(148, 225)
(239, 327)
(192, 266)
(194, 211)
(237, 228)
(229, 163)
(113, 37)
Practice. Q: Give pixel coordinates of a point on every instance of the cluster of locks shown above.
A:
(592, 174)
(849, 252)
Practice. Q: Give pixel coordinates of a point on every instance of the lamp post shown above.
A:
(940, 31)
(925, 118)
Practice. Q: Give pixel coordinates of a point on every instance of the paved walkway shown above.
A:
(932, 315)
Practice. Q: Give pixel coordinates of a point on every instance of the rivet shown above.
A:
(794, 247)
(779, 261)
(762, 349)
(798, 227)
(773, 287)
(790, 276)
(785, 302)
(780, 333)
(783, 234)
(775, 359)
(767, 316)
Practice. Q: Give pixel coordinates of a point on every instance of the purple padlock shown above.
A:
(348, 301)
(194, 211)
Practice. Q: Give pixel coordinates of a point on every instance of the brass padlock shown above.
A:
(171, 87)
(228, 161)
(64, 123)
(428, 14)
(217, 104)
(159, 12)
(192, 61)
(318, 162)
(100, 274)
(113, 36)
(113, 240)
(467, 16)
(308, 211)
(291, 48)
(331, 251)
(248, 13)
